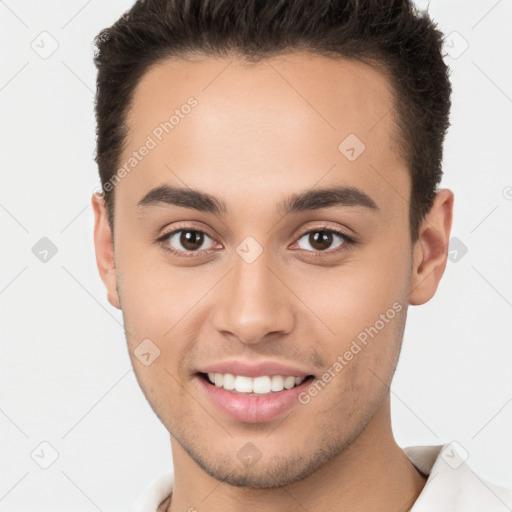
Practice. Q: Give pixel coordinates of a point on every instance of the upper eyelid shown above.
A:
(184, 228)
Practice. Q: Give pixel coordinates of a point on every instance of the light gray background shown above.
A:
(64, 370)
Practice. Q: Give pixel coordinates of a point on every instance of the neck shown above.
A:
(372, 474)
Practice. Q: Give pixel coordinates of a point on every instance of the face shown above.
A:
(255, 268)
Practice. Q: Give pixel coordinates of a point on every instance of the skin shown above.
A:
(259, 133)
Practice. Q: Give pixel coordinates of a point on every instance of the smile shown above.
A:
(263, 385)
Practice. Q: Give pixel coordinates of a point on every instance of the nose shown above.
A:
(254, 302)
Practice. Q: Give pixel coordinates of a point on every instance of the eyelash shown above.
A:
(348, 242)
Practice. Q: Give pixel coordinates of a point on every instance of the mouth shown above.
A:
(264, 385)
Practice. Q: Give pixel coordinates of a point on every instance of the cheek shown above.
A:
(158, 305)
(361, 308)
(154, 294)
(163, 304)
(350, 298)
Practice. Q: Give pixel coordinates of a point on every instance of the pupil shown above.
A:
(324, 240)
(191, 240)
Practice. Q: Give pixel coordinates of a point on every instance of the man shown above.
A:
(269, 210)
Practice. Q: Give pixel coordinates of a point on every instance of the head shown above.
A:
(279, 122)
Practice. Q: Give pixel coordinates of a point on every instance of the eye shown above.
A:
(189, 242)
(183, 241)
(321, 240)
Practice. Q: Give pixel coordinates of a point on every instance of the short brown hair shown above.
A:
(403, 41)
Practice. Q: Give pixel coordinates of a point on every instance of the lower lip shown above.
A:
(253, 409)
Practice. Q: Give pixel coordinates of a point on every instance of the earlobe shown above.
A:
(430, 252)
(104, 247)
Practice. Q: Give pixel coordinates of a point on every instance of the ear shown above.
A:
(104, 246)
(430, 251)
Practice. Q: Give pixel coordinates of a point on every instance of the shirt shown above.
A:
(451, 486)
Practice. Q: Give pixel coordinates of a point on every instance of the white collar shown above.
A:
(452, 486)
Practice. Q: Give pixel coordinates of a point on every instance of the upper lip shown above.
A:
(247, 369)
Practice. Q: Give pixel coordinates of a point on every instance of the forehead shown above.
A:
(304, 90)
(295, 118)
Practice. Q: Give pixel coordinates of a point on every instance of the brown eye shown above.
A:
(187, 240)
(191, 240)
(322, 240)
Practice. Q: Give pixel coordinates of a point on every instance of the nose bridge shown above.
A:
(256, 302)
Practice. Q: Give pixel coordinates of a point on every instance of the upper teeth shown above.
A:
(259, 385)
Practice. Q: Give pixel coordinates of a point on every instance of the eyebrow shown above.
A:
(317, 199)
